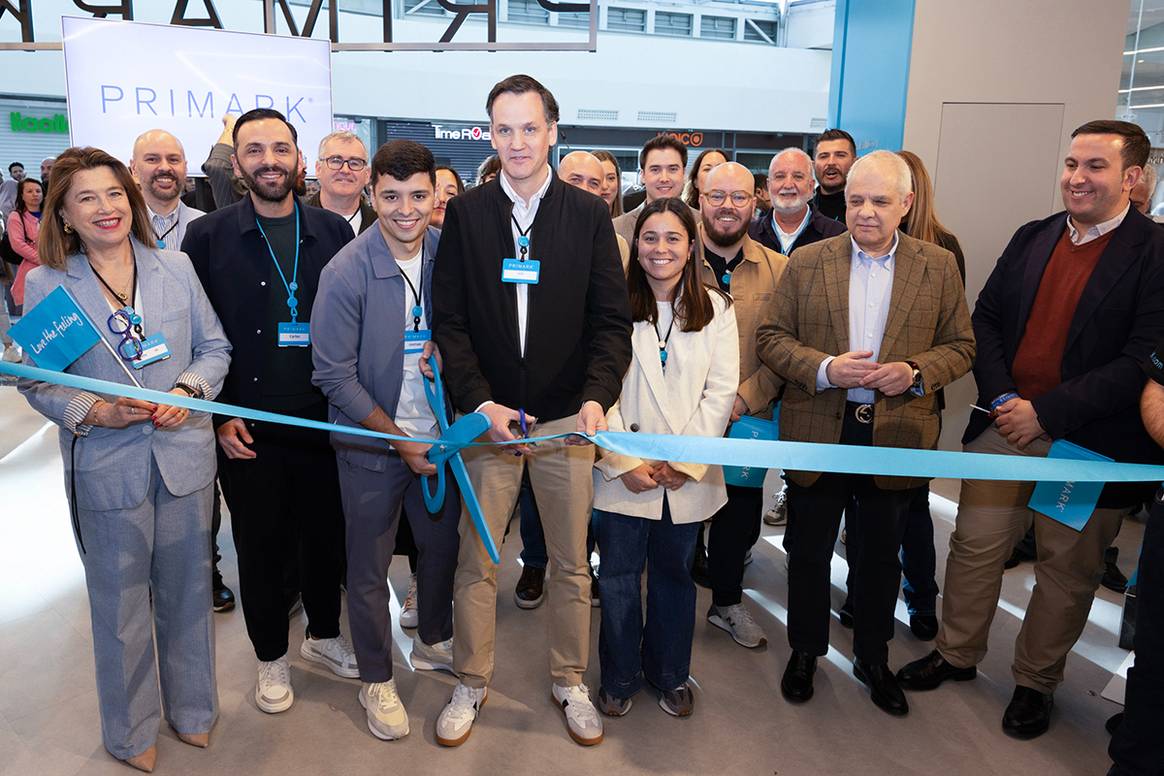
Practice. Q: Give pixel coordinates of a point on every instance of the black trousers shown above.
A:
(814, 518)
(285, 511)
(1137, 746)
(734, 529)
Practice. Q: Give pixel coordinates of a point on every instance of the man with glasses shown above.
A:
(749, 272)
(661, 165)
(342, 170)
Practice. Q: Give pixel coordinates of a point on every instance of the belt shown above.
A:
(862, 413)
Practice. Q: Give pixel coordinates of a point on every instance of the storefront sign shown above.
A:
(56, 124)
(443, 132)
(693, 139)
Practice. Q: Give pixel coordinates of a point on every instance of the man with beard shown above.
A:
(793, 223)
(259, 261)
(834, 155)
(661, 165)
(749, 272)
(342, 171)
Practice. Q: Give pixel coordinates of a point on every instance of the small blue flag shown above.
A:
(748, 427)
(56, 332)
(1070, 503)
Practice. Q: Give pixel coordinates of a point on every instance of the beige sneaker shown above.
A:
(387, 718)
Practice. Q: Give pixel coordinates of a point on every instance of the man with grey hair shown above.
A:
(1141, 194)
(342, 170)
(793, 223)
(865, 328)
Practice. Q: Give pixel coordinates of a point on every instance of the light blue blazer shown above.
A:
(113, 465)
(357, 338)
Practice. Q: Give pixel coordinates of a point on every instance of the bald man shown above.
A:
(159, 167)
(583, 170)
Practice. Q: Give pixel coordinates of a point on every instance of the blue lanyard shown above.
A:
(292, 287)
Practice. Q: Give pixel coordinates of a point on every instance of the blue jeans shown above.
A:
(660, 650)
(533, 539)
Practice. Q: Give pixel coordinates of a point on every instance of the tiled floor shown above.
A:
(49, 723)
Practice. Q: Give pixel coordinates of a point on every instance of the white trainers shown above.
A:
(11, 354)
(409, 611)
(778, 514)
(582, 718)
(456, 720)
(273, 692)
(737, 621)
(336, 654)
(387, 718)
(432, 657)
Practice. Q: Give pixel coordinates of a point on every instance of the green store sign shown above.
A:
(57, 124)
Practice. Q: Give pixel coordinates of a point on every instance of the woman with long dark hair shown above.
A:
(611, 182)
(707, 159)
(682, 379)
(24, 232)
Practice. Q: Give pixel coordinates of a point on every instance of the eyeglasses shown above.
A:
(124, 323)
(338, 162)
(738, 198)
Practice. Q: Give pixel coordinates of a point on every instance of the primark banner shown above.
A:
(124, 78)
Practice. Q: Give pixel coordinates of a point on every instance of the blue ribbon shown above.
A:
(800, 456)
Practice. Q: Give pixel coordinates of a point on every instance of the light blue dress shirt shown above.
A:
(870, 288)
(787, 238)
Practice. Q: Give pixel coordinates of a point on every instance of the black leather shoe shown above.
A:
(924, 626)
(845, 613)
(1029, 713)
(796, 685)
(1113, 579)
(930, 671)
(883, 687)
(223, 597)
(531, 588)
(700, 571)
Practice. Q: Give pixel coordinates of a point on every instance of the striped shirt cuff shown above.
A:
(76, 410)
(195, 380)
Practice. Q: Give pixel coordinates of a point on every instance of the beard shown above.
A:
(781, 204)
(729, 238)
(276, 192)
(165, 196)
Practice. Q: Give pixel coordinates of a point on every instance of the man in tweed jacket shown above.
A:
(865, 328)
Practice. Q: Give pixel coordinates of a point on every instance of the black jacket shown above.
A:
(578, 330)
(233, 263)
(367, 214)
(819, 227)
(1119, 320)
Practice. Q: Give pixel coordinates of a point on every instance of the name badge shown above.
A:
(294, 335)
(414, 340)
(153, 349)
(516, 271)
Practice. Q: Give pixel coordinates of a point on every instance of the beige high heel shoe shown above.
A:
(144, 761)
(201, 740)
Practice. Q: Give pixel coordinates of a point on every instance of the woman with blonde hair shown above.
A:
(922, 222)
(611, 182)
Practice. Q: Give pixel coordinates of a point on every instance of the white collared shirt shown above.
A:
(179, 218)
(788, 238)
(1096, 231)
(870, 289)
(524, 214)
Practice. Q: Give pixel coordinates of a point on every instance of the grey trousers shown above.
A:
(160, 547)
(372, 505)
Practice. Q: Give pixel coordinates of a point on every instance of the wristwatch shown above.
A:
(918, 387)
(193, 393)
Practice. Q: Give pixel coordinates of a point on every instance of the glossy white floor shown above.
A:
(48, 709)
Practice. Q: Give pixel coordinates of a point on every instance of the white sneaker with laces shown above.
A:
(387, 718)
(778, 514)
(737, 621)
(455, 722)
(336, 654)
(432, 657)
(11, 354)
(409, 611)
(273, 692)
(582, 718)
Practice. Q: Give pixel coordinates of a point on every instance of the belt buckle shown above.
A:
(863, 413)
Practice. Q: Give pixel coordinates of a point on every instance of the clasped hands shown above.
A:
(648, 476)
(855, 370)
(125, 412)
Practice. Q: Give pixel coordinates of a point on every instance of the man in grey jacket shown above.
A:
(370, 327)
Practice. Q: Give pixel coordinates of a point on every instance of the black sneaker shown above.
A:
(531, 588)
(223, 597)
(1113, 579)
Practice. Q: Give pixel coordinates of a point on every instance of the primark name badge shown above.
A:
(153, 350)
(414, 341)
(294, 335)
(517, 271)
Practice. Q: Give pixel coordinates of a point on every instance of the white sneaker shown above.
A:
(456, 720)
(11, 354)
(409, 611)
(432, 657)
(778, 514)
(337, 654)
(273, 692)
(582, 718)
(387, 718)
(737, 621)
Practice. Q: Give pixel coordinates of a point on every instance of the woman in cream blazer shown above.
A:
(682, 379)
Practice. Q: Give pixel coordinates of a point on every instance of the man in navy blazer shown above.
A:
(370, 327)
(792, 223)
(1073, 307)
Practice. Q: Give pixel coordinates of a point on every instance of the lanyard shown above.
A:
(522, 239)
(417, 296)
(173, 226)
(663, 339)
(293, 286)
(126, 299)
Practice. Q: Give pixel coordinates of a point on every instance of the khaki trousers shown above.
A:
(563, 484)
(992, 518)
